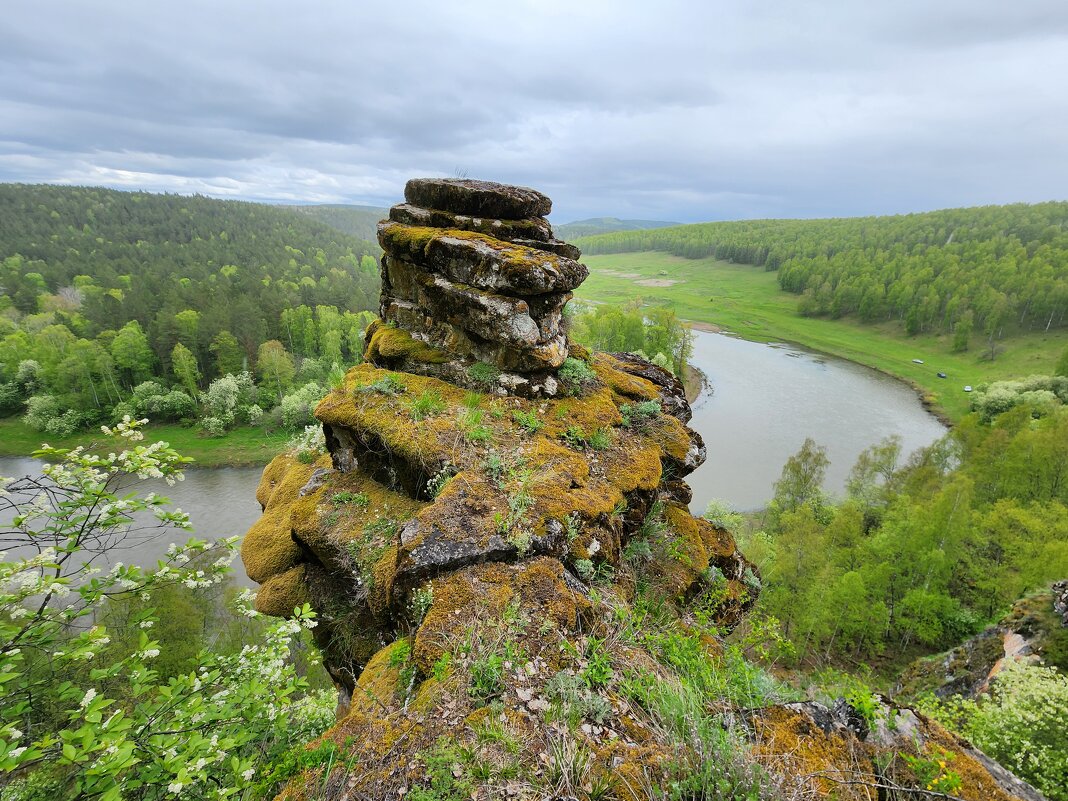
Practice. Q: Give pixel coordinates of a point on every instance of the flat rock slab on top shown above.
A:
(478, 198)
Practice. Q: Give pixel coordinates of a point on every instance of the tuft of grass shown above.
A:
(470, 424)
(428, 404)
(528, 421)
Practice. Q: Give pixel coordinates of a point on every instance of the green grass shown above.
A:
(747, 301)
(246, 446)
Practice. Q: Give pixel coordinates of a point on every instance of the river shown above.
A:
(764, 401)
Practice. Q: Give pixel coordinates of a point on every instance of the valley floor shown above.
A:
(746, 301)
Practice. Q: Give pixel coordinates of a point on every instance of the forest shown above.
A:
(988, 271)
(110, 298)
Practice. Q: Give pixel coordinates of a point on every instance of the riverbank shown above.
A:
(242, 447)
(748, 302)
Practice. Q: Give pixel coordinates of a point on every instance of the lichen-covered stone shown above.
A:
(482, 261)
(477, 198)
(529, 231)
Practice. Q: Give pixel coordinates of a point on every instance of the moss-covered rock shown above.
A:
(477, 198)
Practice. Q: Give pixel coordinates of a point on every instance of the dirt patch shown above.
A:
(658, 282)
(711, 328)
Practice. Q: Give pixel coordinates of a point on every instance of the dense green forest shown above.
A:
(991, 270)
(358, 221)
(139, 301)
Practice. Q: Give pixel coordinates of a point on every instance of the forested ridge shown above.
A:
(991, 269)
(358, 221)
(102, 290)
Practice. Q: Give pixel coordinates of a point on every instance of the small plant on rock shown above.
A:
(390, 384)
(483, 374)
(528, 421)
(428, 404)
(576, 376)
(639, 415)
(437, 482)
(358, 499)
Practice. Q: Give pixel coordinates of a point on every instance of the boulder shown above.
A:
(477, 198)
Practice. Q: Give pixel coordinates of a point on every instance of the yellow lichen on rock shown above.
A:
(268, 548)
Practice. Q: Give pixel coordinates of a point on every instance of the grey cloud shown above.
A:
(685, 111)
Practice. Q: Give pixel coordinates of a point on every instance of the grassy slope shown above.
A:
(243, 446)
(747, 301)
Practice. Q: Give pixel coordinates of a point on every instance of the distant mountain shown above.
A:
(358, 221)
(605, 225)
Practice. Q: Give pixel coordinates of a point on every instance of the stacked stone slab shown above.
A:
(472, 269)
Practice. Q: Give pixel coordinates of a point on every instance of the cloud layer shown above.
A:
(675, 110)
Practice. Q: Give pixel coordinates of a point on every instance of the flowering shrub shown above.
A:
(77, 723)
(308, 445)
(1020, 724)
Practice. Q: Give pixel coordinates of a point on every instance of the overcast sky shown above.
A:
(678, 111)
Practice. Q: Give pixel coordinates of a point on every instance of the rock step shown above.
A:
(533, 229)
(477, 198)
(489, 315)
(482, 261)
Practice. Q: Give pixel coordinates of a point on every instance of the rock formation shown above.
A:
(472, 269)
(496, 540)
(1034, 630)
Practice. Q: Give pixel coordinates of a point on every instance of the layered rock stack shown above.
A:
(471, 269)
(477, 559)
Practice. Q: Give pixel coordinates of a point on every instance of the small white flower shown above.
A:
(175, 787)
(248, 774)
(147, 624)
(15, 753)
(90, 694)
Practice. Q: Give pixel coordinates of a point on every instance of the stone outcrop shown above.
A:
(1035, 630)
(471, 270)
(496, 537)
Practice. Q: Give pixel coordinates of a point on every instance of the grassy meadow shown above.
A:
(747, 301)
(245, 446)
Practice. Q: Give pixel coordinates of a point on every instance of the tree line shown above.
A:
(991, 270)
(923, 551)
(103, 292)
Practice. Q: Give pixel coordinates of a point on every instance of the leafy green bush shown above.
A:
(298, 406)
(1020, 724)
(83, 717)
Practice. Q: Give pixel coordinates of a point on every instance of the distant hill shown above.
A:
(358, 221)
(604, 225)
(89, 260)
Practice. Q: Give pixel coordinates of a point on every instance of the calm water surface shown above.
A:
(220, 502)
(764, 401)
